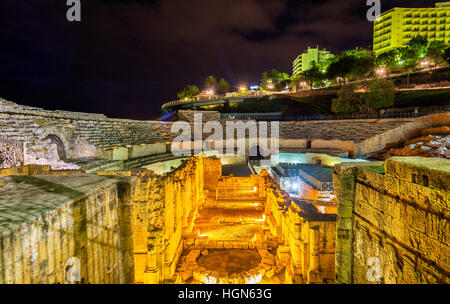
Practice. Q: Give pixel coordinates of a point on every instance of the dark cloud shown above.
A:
(127, 57)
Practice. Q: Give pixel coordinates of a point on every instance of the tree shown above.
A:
(211, 82)
(408, 60)
(447, 55)
(278, 79)
(436, 51)
(313, 74)
(379, 94)
(188, 92)
(296, 81)
(346, 101)
(223, 86)
(376, 94)
(266, 82)
(418, 45)
(389, 59)
(351, 64)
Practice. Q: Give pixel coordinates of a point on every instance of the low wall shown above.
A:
(164, 210)
(401, 133)
(306, 238)
(65, 229)
(11, 153)
(393, 224)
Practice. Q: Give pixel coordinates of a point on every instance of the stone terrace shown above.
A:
(23, 123)
(97, 136)
(348, 130)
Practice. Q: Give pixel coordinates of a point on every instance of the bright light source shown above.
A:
(210, 92)
(295, 186)
(425, 63)
(242, 88)
(381, 71)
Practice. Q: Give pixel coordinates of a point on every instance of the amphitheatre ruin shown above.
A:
(89, 199)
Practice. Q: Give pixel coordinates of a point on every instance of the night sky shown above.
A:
(127, 57)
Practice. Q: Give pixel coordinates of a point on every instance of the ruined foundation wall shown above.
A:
(306, 241)
(82, 135)
(405, 131)
(65, 229)
(164, 210)
(11, 153)
(395, 217)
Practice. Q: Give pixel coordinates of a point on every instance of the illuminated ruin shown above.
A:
(88, 199)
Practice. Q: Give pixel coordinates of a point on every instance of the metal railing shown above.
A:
(309, 117)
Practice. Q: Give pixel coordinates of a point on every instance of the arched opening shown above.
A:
(59, 145)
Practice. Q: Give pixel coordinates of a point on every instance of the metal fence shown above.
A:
(306, 117)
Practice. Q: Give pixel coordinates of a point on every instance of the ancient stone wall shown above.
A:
(164, 211)
(306, 238)
(393, 222)
(380, 141)
(80, 135)
(65, 228)
(11, 153)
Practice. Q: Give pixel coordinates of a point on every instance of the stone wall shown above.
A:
(393, 222)
(47, 134)
(306, 238)
(402, 132)
(11, 153)
(65, 229)
(80, 135)
(164, 210)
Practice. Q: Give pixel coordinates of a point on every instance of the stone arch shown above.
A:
(59, 145)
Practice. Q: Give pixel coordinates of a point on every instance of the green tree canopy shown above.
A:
(436, 51)
(389, 59)
(379, 94)
(346, 101)
(447, 55)
(418, 45)
(188, 92)
(351, 64)
(265, 81)
(211, 82)
(223, 86)
(313, 74)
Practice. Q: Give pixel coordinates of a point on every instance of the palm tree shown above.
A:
(211, 82)
(223, 86)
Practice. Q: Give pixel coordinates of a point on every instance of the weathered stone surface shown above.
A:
(397, 219)
(50, 222)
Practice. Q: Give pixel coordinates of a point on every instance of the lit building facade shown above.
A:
(305, 60)
(394, 28)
